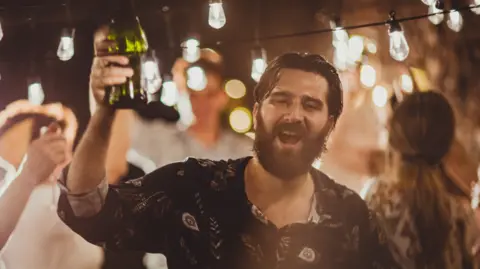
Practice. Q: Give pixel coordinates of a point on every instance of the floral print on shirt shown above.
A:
(198, 215)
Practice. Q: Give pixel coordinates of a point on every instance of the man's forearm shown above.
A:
(12, 204)
(87, 169)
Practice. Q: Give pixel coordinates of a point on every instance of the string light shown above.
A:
(36, 95)
(216, 14)
(438, 17)
(259, 62)
(406, 83)
(428, 2)
(356, 46)
(380, 96)
(191, 50)
(340, 43)
(66, 47)
(196, 78)
(240, 120)
(455, 21)
(399, 48)
(235, 89)
(151, 78)
(170, 95)
(475, 9)
(1, 31)
(368, 75)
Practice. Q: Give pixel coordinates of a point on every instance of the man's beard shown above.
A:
(283, 164)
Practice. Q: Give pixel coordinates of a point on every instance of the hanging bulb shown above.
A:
(368, 75)
(259, 63)
(455, 21)
(36, 95)
(1, 36)
(191, 50)
(340, 44)
(151, 79)
(170, 95)
(437, 18)
(380, 96)
(428, 2)
(184, 107)
(66, 47)
(216, 14)
(339, 35)
(399, 48)
(356, 46)
(475, 10)
(196, 78)
(340, 56)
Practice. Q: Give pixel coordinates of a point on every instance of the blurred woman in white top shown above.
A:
(28, 201)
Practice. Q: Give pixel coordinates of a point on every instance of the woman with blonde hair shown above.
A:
(426, 226)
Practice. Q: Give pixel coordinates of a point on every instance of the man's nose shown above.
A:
(295, 113)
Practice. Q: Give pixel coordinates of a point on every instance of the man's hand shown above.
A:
(105, 68)
(46, 156)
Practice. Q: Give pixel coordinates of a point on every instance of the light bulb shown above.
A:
(240, 120)
(356, 45)
(437, 18)
(340, 56)
(368, 75)
(259, 63)
(339, 35)
(455, 21)
(191, 50)
(196, 78)
(406, 83)
(216, 14)
(66, 47)
(380, 96)
(258, 67)
(399, 48)
(429, 2)
(475, 10)
(36, 95)
(184, 107)
(151, 79)
(170, 94)
(1, 32)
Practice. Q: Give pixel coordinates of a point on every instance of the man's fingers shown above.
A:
(111, 59)
(52, 138)
(100, 35)
(114, 71)
(110, 81)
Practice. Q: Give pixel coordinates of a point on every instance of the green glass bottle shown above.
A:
(130, 41)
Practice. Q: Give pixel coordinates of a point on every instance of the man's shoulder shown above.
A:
(197, 171)
(342, 199)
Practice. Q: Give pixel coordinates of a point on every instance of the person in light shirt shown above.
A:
(31, 233)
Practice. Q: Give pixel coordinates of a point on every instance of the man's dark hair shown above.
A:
(312, 63)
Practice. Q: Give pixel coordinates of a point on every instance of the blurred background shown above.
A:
(444, 54)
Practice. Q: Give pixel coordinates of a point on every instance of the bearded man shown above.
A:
(269, 210)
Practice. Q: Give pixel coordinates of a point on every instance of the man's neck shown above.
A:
(267, 188)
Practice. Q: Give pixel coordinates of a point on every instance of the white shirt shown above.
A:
(42, 241)
(165, 143)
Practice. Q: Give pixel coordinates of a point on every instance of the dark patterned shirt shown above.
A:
(197, 214)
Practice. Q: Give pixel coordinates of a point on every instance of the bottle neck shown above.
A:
(122, 11)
